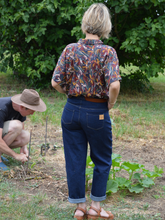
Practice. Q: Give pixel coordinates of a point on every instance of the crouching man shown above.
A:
(13, 112)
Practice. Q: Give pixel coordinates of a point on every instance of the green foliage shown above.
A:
(34, 33)
(137, 178)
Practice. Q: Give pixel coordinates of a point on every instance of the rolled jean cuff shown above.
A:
(97, 199)
(77, 200)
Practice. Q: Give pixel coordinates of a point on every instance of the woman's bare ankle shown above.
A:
(79, 212)
(96, 205)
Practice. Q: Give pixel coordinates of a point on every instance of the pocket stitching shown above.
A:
(71, 117)
(92, 127)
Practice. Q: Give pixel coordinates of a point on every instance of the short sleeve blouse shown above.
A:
(87, 68)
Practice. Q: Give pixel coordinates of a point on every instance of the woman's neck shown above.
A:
(92, 37)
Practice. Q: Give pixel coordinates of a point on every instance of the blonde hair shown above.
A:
(97, 21)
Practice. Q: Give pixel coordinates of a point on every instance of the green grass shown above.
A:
(19, 206)
(54, 110)
(159, 79)
(140, 115)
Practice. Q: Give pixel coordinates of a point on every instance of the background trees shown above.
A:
(34, 33)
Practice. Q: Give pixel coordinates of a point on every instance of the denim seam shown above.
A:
(71, 118)
(87, 108)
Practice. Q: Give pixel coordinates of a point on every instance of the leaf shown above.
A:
(89, 171)
(137, 188)
(129, 166)
(112, 186)
(116, 157)
(148, 20)
(122, 182)
(89, 162)
(137, 176)
(147, 182)
(33, 165)
(118, 9)
(152, 42)
(115, 164)
(25, 17)
(150, 174)
(138, 49)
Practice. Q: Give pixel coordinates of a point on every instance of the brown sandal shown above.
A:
(111, 216)
(81, 217)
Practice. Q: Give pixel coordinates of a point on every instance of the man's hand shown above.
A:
(21, 157)
(24, 150)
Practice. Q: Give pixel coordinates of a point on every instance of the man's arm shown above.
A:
(6, 150)
(114, 89)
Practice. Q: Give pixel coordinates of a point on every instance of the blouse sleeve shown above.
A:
(111, 67)
(59, 74)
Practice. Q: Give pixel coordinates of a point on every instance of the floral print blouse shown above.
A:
(87, 68)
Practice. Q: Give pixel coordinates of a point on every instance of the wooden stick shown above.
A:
(29, 149)
(23, 172)
(46, 135)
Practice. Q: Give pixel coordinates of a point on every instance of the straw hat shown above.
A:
(30, 99)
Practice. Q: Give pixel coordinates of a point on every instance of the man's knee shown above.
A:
(25, 137)
(21, 140)
(15, 126)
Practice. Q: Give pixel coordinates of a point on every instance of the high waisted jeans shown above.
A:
(86, 122)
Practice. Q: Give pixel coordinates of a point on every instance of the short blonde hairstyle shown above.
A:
(97, 21)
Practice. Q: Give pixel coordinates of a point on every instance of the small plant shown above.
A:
(146, 206)
(33, 164)
(137, 178)
(156, 196)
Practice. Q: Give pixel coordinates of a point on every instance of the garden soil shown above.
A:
(46, 173)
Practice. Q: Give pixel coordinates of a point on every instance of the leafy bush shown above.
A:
(34, 34)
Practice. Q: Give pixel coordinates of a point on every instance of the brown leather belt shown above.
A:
(95, 100)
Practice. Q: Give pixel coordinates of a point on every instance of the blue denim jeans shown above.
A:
(86, 122)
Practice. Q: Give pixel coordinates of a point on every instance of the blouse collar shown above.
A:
(89, 41)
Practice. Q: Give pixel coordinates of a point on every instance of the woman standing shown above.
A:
(88, 72)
